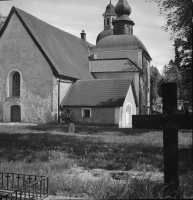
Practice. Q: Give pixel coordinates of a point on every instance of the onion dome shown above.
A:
(123, 8)
(123, 24)
(104, 34)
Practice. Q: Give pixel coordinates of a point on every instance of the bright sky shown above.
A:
(73, 16)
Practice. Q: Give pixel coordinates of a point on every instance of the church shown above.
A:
(44, 69)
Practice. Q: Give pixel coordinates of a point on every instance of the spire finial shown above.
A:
(110, 1)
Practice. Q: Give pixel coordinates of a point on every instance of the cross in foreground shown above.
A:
(170, 123)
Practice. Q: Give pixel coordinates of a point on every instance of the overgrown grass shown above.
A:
(51, 151)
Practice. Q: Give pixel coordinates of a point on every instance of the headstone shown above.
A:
(71, 128)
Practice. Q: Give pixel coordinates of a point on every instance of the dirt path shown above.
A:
(115, 175)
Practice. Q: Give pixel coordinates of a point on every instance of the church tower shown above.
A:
(123, 24)
(119, 54)
(109, 17)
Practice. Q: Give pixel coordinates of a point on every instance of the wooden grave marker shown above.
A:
(170, 123)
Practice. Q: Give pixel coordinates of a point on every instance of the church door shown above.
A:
(15, 114)
(128, 115)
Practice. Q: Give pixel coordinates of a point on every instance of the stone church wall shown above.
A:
(18, 52)
(2, 92)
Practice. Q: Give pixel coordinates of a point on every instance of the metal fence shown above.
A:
(20, 186)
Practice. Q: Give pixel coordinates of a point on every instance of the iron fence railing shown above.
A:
(21, 186)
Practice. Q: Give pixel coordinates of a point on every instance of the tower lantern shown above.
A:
(123, 24)
(109, 16)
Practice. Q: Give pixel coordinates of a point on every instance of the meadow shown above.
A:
(50, 150)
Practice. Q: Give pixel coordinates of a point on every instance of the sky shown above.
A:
(73, 16)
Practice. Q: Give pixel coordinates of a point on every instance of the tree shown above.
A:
(179, 16)
(179, 22)
(2, 20)
(183, 60)
(155, 77)
(171, 74)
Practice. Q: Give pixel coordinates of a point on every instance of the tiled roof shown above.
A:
(67, 54)
(120, 42)
(103, 34)
(104, 93)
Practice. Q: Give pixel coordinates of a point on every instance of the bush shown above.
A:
(66, 116)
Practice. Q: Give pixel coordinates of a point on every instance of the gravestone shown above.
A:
(170, 123)
(71, 128)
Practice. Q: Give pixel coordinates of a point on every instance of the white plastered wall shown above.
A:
(129, 101)
(64, 87)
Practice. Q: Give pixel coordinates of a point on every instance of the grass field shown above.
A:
(52, 151)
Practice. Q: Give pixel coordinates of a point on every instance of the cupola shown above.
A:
(110, 9)
(109, 17)
(123, 24)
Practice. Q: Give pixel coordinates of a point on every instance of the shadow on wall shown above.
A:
(112, 102)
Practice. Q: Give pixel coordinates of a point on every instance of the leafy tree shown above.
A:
(183, 60)
(171, 74)
(2, 20)
(66, 115)
(154, 79)
(179, 22)
(179, 16)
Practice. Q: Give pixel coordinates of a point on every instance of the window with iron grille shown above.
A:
(16, 85)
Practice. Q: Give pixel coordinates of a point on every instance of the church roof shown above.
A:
(120, 42)
(104, 34)
(66, 54)
(100, 92)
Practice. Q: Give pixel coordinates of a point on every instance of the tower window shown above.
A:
(108, 21)
(16, 84)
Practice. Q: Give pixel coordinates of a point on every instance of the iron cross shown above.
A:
(170, 122)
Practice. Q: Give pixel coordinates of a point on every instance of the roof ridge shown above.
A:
(46, 22)
(86, 42)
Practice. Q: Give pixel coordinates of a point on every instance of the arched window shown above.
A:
(108, 21)
(16, 84)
